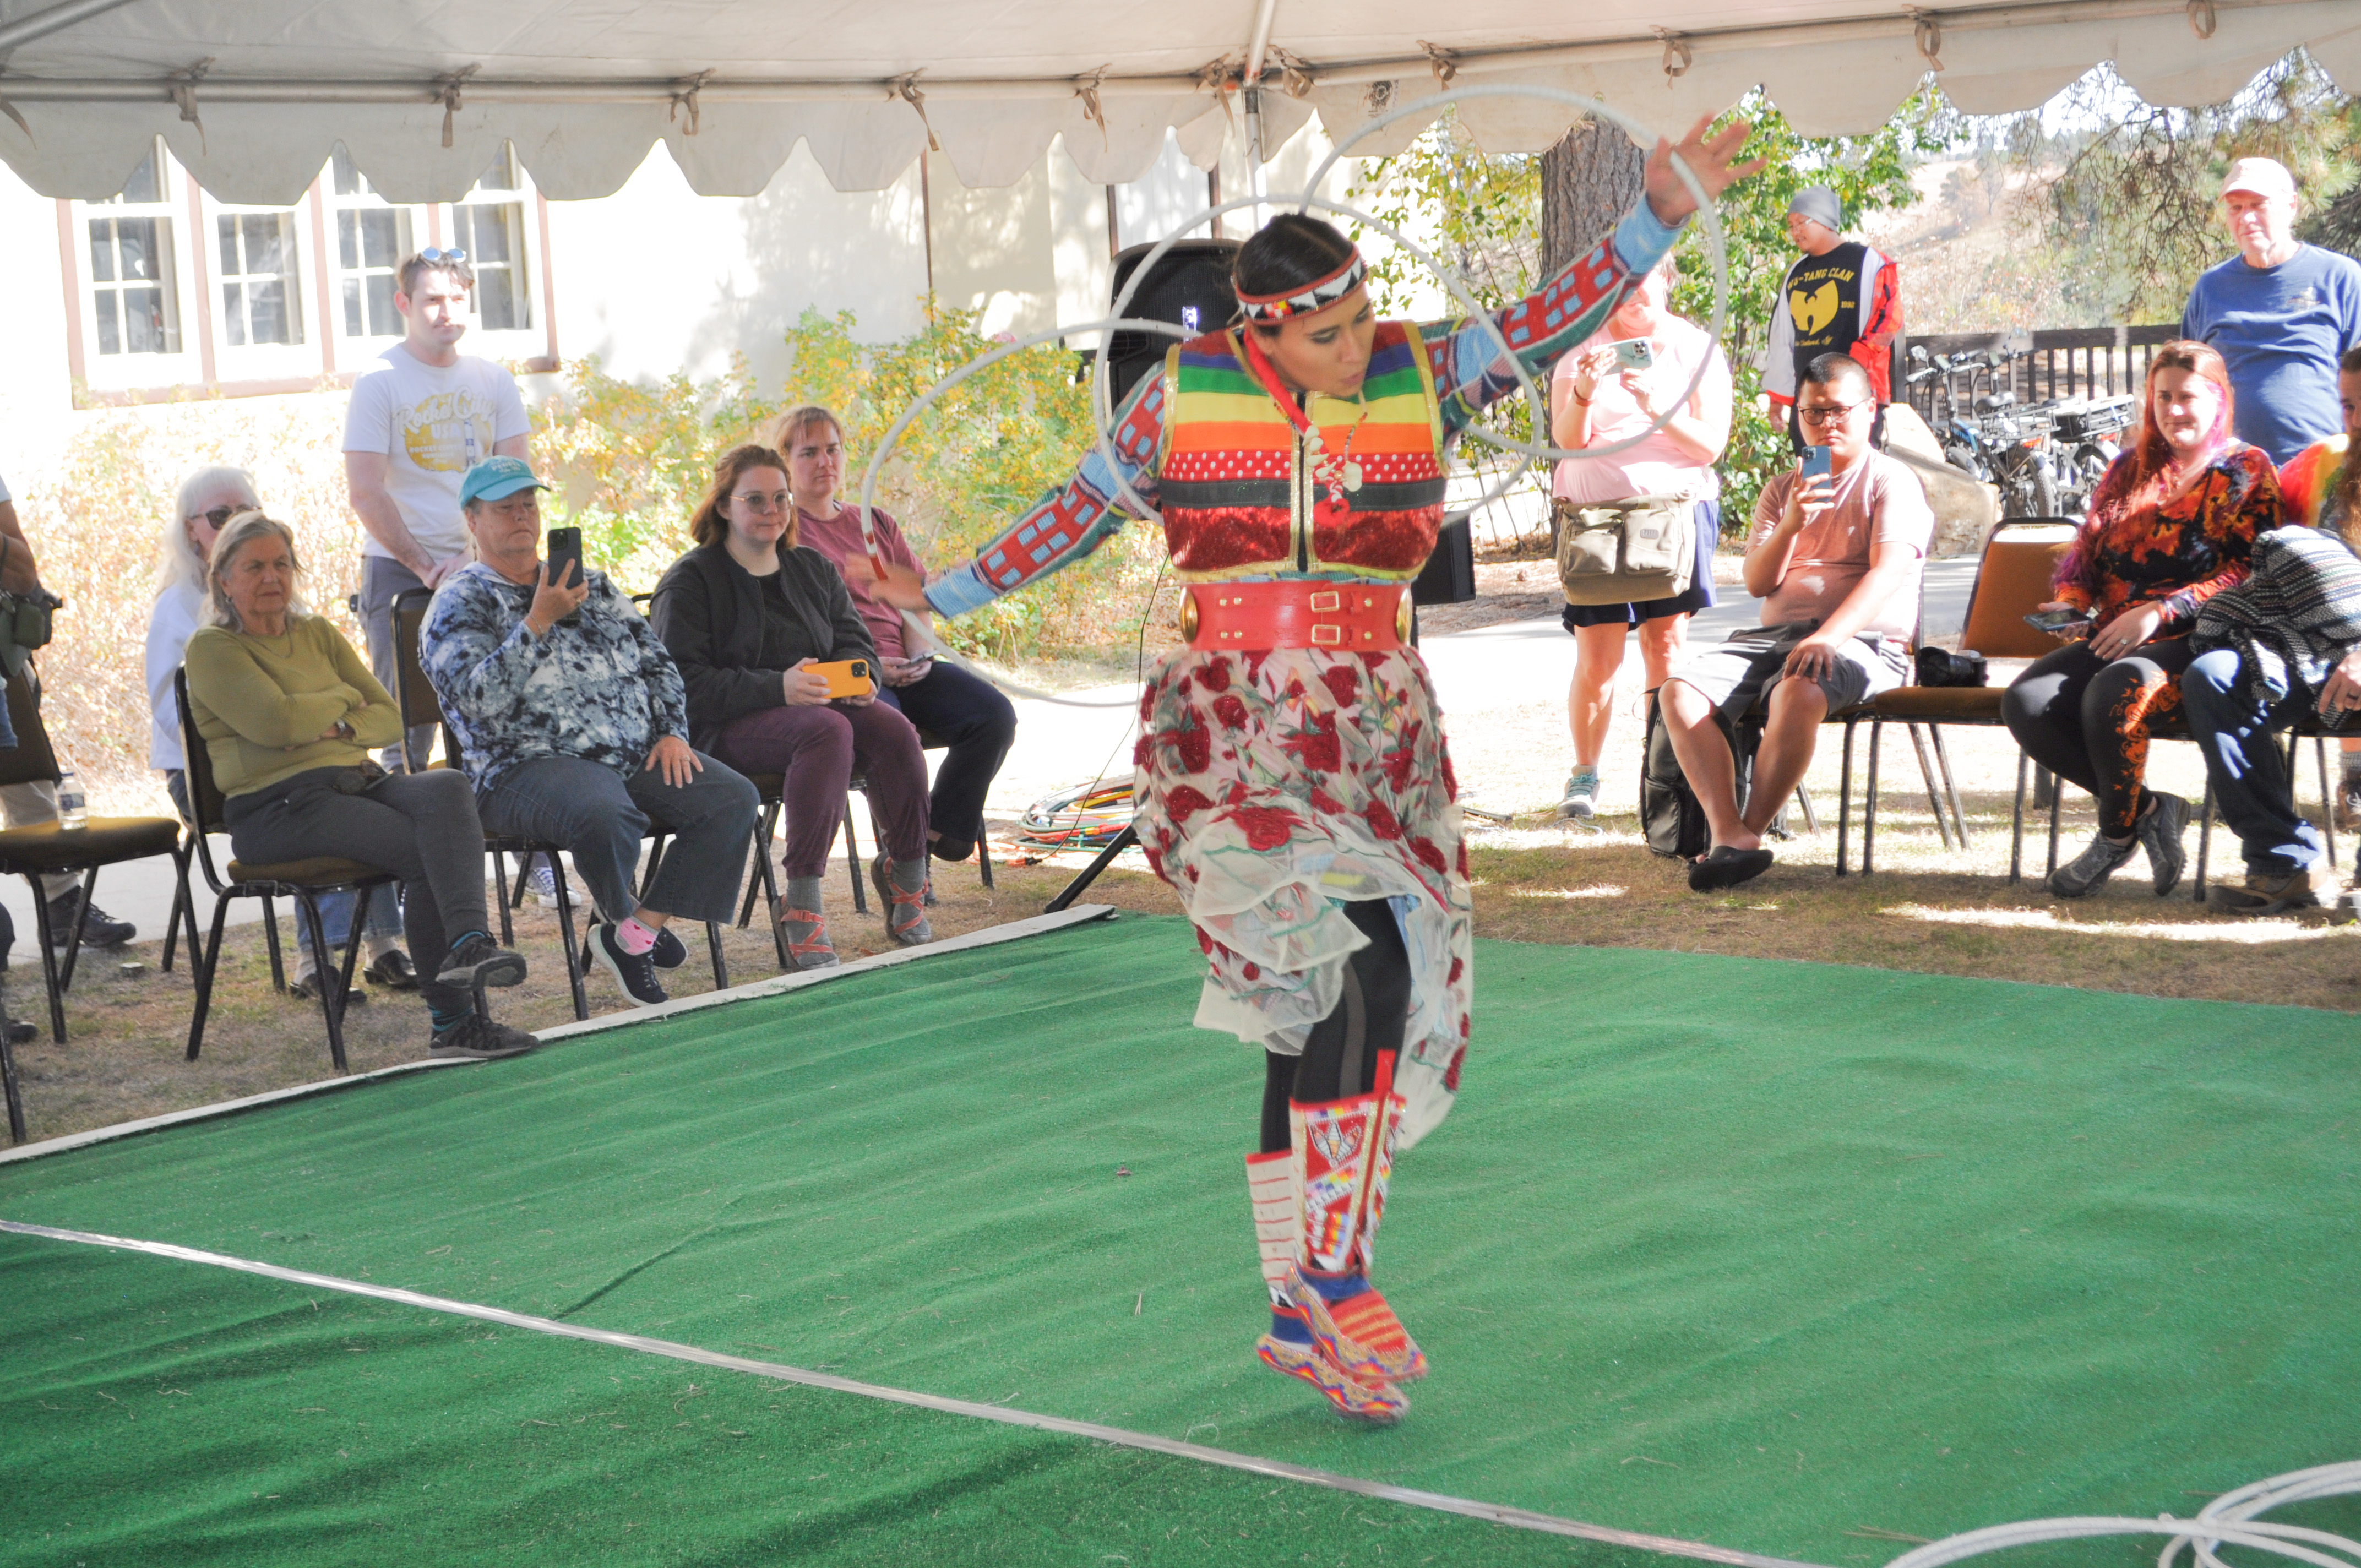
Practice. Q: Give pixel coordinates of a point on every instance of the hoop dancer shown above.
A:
(1292, 780)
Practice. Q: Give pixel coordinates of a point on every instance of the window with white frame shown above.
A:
(134, 284)
(489, 225)
(262, 286)
(372, 236)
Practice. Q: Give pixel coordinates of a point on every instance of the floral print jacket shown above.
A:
(2134, 552)
(602, 689)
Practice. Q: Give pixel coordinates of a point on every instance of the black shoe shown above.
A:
(2160, 830)
(392, 970)
(99, 929)
(479, 960)
(21, 1033)
(669, 952)
(307, 986)
(1728, 867)
(635, 973)
(479, 1037)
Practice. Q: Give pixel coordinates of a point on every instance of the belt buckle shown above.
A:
(1189, 615)
(1327, 601)
(1402, 612)
(1326, 636)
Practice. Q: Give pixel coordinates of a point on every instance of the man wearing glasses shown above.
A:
(1835, 558)
(420, 418)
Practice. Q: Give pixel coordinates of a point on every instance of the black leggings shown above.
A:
(2087, 720)
(1340, 1059)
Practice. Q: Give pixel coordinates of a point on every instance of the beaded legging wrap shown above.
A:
(2087, 720)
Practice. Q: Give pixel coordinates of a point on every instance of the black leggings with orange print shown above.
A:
(2087, 720)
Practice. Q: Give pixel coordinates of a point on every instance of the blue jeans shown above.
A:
(2245, 762)
(600, 818)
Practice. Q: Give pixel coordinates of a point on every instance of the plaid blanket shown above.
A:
(2294, 620)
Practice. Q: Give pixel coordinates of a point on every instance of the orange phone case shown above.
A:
(846, 677)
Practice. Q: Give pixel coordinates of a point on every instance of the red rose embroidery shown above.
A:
(1451, 1073)
(1317, 746)
(1205, 943)
(1449, 779)
(1180, 802)
(1216, 675)
(1403, 758)
(1194, 745)
(1325, 804)
(1460, 859)
(1382, 821)
(1342, 682)
(1230, 710)
(1458, 968)
(1428, 855)
(1373, 660)
(1267, 827)
(1252, 971)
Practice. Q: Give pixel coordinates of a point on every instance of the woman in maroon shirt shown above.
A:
(948, 706)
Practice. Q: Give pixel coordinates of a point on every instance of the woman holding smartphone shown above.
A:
(2171, 524)
(748, 615)
(973, 719)
(1611, 389)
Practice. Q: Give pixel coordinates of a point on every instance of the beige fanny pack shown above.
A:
(1626, 551)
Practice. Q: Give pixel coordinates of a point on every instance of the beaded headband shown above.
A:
(1312, 297)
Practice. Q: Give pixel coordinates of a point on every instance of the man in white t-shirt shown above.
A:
(420, 417)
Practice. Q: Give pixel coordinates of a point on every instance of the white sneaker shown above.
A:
(1581, 802)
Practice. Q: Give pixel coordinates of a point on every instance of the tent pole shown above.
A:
(56, 18)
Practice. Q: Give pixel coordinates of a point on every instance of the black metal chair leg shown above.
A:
(983, 857)
(182, 910)
(8, 1085)
(1803, 803)
(655, 863)
(770, 886)
(2327, 799)
(1951, 786)
(1844, 795)
(74, 937)
(49, 960)
(2204, 840)
(270, 940)
(1869, 801)
(2017, 822)
(1926, 775)
(573, 959)
(205, 963)
(852, 860)
(765, 822)
(720, 965)
(312, 932)
(2057, 798)
(500, 888)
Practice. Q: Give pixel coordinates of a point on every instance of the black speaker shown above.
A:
(1449, 575)
(1189, 287)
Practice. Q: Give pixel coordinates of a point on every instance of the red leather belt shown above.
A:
(1350, 618)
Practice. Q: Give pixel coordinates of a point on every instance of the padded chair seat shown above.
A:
(51, 846)
(767, 785)
(313, 870)
(1940, 705)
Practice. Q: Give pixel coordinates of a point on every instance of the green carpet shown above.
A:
(1766, 1255)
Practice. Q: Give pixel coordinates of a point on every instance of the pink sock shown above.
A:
(634, 936)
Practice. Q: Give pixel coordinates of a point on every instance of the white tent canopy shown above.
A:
(252, 95)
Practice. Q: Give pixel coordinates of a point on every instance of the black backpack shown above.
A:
(1670, 815)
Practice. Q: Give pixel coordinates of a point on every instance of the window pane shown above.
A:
(102, 251)
(496, 301)
(136, 241)
(143, 318)
(270, 318)
(230, 268)
(348, 241)
(234, 314)
(347, 178)
(384, 320)
(380, 238)
(143, 185)
(110, 338)
(353, 327)
(265, 251)
(492, 234)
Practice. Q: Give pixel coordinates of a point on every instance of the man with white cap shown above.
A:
(2279, 312)
(1841, 297)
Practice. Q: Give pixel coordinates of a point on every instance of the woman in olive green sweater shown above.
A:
(289, 714)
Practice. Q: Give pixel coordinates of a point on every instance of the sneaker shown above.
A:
(99, 929)
(2348, 805)
(479, 960)
(306, 988)
(541, 882)
(392, 970)
(480, 1038)
(635, 973)
(669, 952)
(2159, 831)
(1581, 802)
(2260, 895)
(2088, 871)
(1380, 1404)
(20, 1032)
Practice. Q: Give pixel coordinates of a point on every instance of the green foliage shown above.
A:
(1480, 214)
(632, 463)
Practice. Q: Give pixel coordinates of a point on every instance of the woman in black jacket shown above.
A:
(745, 614)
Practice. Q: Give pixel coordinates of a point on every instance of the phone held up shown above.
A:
(565, 552)
(1815, 462)
(1633, 352)
(2065, 624)
(845, 677)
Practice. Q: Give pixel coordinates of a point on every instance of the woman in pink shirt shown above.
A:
(948, 706)
(1593, 403)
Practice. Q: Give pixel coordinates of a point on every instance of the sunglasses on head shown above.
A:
(443, 258)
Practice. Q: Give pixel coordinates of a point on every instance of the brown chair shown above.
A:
(2012, 578)
(302, 881)
(415, 697)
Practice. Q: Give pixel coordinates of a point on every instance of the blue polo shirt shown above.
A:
(2280, 330)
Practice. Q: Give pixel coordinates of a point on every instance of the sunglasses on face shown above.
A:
(219, 517)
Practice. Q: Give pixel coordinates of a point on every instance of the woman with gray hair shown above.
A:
(208, 497)
(289, 713)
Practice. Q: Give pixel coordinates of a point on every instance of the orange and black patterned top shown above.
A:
(2177, 554)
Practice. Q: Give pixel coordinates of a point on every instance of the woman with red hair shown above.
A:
(2171, 524)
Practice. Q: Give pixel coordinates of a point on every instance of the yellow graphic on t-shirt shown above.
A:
(1815, 310)
(448, 432)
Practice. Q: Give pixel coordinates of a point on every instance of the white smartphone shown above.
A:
(1634, 352)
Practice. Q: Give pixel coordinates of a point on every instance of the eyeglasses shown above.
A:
(755, 500)
(219, 517)
(443, 258)
(1826, 413)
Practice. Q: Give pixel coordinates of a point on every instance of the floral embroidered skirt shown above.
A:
(1273, 786)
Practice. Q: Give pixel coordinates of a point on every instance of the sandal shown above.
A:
(1726, 867)
(806, 934)
(905, 910)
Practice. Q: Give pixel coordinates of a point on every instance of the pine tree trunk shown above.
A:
(1589, 179)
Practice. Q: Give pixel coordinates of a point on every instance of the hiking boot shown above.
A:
(2265, 894)
(635, 973)
(2160, 828)
(392, 970)
(1581, 802)
(2088, 871)
(480, 1038)
(99, 929)
(479, 960)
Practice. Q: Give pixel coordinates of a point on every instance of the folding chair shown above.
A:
(48, 847)
(927, 742)
(302, 881)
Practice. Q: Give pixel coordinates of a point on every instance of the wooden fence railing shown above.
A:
(2065, 362)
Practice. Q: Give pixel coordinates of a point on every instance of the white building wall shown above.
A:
(36, 387)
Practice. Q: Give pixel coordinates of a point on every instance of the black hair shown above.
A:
(1291, 252)
(1830, 369)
